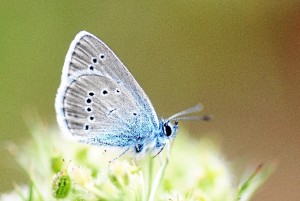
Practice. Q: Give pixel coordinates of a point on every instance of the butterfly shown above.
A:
(100, 103)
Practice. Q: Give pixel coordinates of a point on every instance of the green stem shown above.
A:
(158, 179)
(150, 176)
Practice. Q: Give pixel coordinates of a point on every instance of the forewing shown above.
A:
(88, 53)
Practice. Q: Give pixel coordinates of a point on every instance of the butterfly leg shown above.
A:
(119, 155)
(158, 152)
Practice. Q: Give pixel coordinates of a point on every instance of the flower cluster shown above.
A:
(61, 169)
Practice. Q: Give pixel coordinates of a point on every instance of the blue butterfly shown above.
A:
(100, 103)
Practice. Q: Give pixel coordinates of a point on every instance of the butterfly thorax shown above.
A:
(156, 142)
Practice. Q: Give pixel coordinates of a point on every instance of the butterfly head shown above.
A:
(166, 133)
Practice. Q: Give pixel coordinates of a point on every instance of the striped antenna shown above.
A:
(196, 108)
(194, 118)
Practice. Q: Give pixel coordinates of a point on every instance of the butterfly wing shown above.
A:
(98, 97)
(93, 105)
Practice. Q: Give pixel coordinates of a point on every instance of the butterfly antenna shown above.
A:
(195, 118)
(196, 108)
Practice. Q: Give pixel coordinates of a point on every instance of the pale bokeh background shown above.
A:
(239, 58)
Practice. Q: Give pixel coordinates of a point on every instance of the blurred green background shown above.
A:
(239, 58)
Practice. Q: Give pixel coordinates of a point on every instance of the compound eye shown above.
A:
(168, 129)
